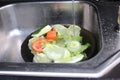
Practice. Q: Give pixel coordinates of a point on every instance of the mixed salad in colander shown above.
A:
(58, 44)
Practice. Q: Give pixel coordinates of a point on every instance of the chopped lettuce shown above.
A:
(68, 34)
(84, 47)
(66, 57)
(41, 58)
(68, 47)
(55, 52)
(74, 30)
(76, 58)
(81, 50)
(63, 32)
(73, 59)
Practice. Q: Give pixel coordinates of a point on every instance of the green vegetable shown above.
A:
(74, 59)
(81, 50)
(66, 57)
(77, 58)
(55, 52)
(41, 58)
(73, 46)
(63, 32)
(43, 31)
(74, 30)
(68, 34)
(67, 48)
(84, 47)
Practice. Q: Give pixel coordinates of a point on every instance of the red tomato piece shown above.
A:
(51, 35)
(37, 45)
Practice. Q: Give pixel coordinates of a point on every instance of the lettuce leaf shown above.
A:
(63, 32)
(74, 30)
(68, 34)
(41, 58)
(55, 52)
(84, 47)
(76, 58)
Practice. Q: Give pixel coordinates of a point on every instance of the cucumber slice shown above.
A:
(73, 46)
(43, 31)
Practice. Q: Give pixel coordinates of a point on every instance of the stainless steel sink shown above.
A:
(18, 20)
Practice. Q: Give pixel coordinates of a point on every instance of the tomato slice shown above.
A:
(37, 45)
(51, 35)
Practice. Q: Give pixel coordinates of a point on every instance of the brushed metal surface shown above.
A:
(17, 21)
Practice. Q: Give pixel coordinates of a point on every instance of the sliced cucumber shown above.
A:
(43, 31)
(73, 46)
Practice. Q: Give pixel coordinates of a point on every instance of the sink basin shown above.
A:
(18, 20)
